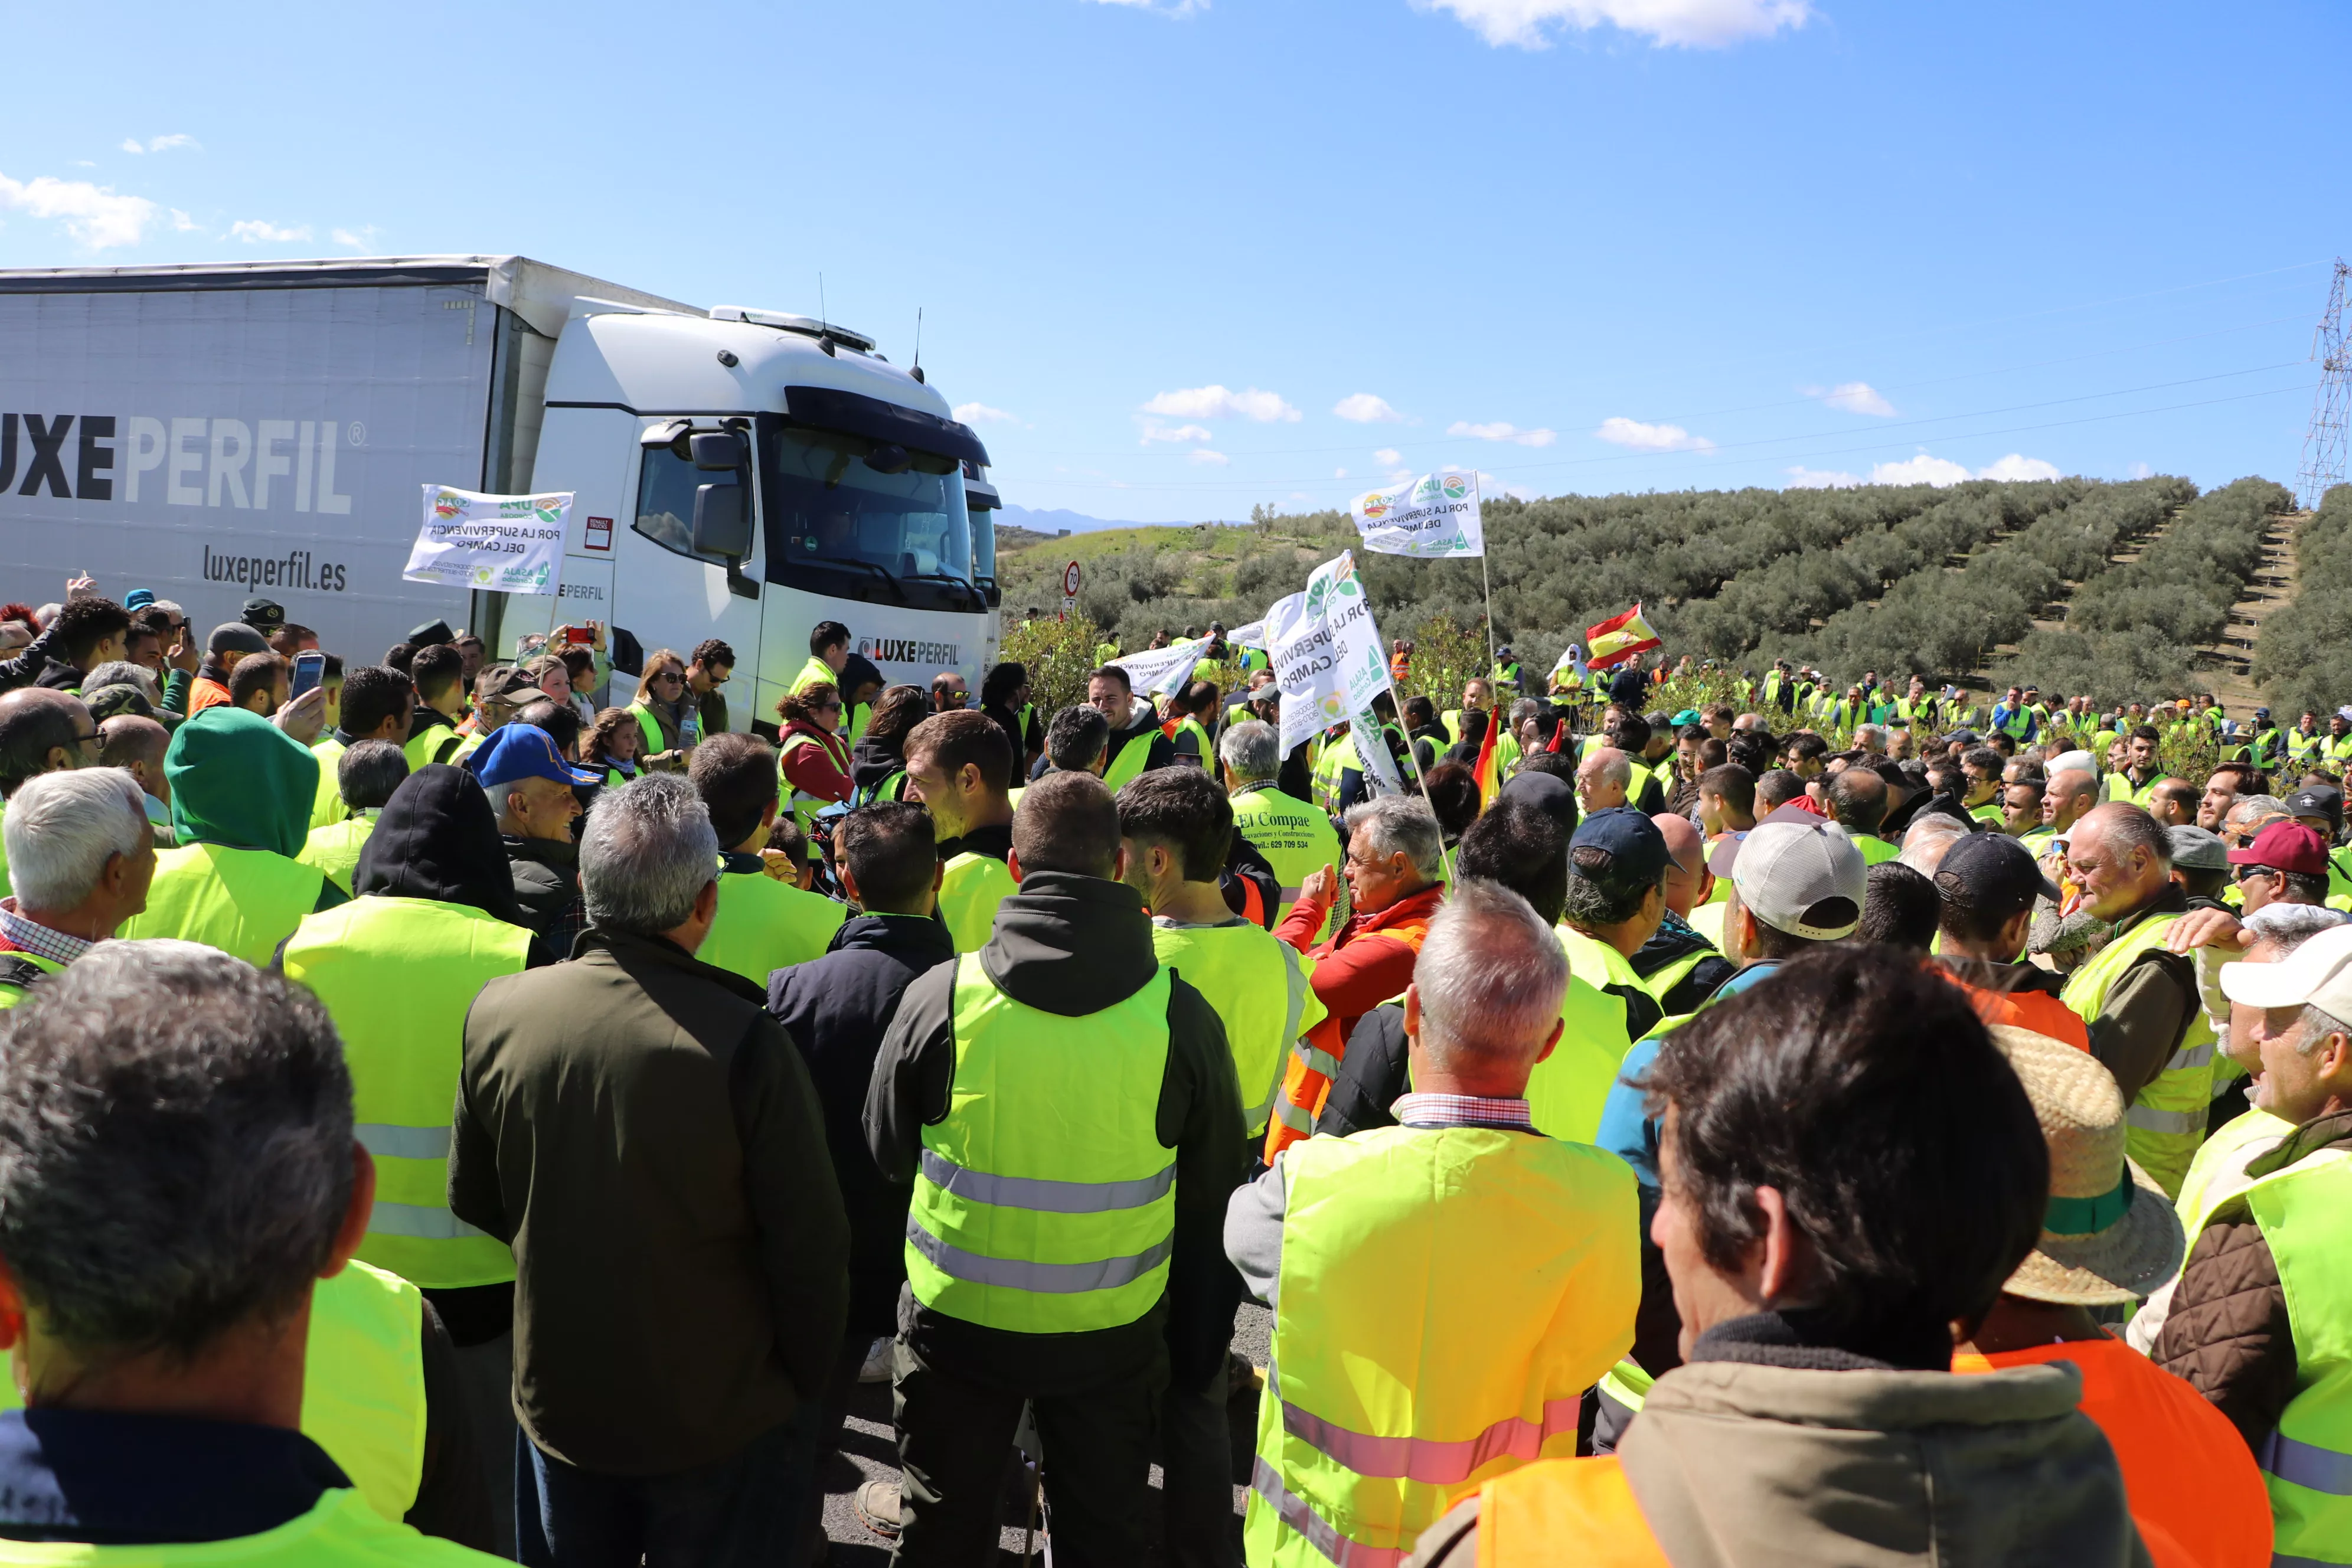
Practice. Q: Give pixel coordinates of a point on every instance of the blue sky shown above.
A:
(1179, 259)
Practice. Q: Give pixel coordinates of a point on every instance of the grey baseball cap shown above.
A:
(2195, 849)
(1805, 878)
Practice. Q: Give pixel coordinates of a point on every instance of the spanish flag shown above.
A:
(1617, 639)
(1489, 765)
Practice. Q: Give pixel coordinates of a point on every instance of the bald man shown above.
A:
(1602, 779)
(1678, 967)
(137, 745)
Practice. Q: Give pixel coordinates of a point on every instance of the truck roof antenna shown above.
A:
(821, 321)
(916, 369)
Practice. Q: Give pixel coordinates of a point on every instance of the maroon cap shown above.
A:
(2285, 846)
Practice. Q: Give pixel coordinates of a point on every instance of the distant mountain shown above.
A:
(1052, 520)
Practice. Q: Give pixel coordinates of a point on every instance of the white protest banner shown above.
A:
(1326, 651)
(1436, 515)
(1373, 759)
(1162, 670)
(1250, 636)
(505, 545)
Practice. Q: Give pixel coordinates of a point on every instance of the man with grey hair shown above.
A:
(1602, 779)
(180, 1195)
(1392, 871)
(81, 854)
(366, 773)
(1521, 1246)
(2256, 1317)
(647, 1140)
(1294, 837)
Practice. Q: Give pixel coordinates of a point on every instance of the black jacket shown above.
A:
(836, 1009)
(546, 873)
(1073, 946)
(1373, 1074)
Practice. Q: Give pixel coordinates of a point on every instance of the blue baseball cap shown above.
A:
(526, 752)
(1631, 841)
(138, 599)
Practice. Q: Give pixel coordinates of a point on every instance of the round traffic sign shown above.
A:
(1070, 578)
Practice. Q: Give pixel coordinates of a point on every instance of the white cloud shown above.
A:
(1338, 473)
(1922, 469)
(1155, 431)
(133, 144)
(171, 144)
(2141, 471)
(2016, 467)
(183, 223)
(357, 239)
(93, 214)
(1686, 24)
(1219, 402)
(1854, 397)
(980, 414)
(1493, 485)
(1388, 457)
(1620, 431)
(1364, 408)
(1500, 431)
(1803, 479)
(1206, 458)
(254, 231)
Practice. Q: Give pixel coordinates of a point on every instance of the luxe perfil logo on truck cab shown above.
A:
(263, 465)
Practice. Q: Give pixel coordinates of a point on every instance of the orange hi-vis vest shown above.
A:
(2191, 1482)
(1315, 1061)
(1557, 1510)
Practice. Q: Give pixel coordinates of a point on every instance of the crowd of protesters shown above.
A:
(441, 1115)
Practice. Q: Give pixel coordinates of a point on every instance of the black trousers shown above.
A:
(955, 1440)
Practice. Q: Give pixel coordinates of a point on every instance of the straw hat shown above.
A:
(2110, 1235)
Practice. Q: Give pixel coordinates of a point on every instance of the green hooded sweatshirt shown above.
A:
(239, 781)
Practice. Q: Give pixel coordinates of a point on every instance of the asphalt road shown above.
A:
(870, 1451)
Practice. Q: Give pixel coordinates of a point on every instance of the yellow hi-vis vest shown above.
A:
(433, 744)
(1296, 839)
(1445, 1295)
(335, 849)
(802, 806)
(13, 985)
(1336, 759)
(2167, 1121)
(1566, 1089)
(2306, 1214)
(763, 924)
(2225, 1150)
(327, 806)
(242, 901)
(1258, 987)
(1029, 1217)
(1128, 764)
(398, 978)
(970, 887)
(362, 1386)
(1205, 748)
(340, 1530)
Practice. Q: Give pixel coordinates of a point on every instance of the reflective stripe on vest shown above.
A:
(1314, 1060)
(242, 901)
(1026, 1218)
(763, 924)
(2166, 1120)
(1445, 1294)
(398, 978)
(2306, 1214)
(1258, 987)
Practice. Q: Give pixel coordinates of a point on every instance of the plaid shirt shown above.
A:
(1461, 1110)
(19, 934)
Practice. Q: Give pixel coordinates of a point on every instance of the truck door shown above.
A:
(665, 590)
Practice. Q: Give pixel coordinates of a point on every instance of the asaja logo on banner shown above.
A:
(1455, 486)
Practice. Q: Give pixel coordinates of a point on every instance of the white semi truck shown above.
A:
(218, 432)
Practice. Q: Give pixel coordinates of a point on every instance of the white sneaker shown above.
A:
(878, 1362)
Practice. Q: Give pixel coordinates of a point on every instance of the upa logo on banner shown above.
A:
(1326, 651)
(1434, 516)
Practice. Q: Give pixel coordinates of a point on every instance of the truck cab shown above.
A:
(746, 475)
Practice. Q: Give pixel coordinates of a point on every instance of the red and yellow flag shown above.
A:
(1488, 766)
(1617, 639)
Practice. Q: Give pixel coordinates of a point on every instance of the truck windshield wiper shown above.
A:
(963, 582)
(888, 577)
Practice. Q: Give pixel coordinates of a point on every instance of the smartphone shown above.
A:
(578, 636)
(308, 668)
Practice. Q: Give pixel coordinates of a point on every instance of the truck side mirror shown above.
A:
(717, 451)
(720, 525)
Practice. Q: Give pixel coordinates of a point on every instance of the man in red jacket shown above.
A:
(1393, 869)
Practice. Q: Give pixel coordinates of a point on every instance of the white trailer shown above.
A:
(216, 432)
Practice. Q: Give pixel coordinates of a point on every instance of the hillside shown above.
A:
(2081, 585)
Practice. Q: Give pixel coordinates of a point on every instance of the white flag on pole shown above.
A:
(1326, 651)
(1373, 759)
(1436, 515)
(1162, 670)
(508, 544)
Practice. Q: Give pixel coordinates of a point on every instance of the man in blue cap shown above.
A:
(1616, 900)
(529, 786)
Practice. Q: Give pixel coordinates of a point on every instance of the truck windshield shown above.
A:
(838, 524)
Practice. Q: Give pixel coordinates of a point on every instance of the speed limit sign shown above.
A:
(1070, 580)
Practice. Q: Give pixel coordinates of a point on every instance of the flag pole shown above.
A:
(1486, 583)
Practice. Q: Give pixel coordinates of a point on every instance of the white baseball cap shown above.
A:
(2316, 974)
(1806, 879)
